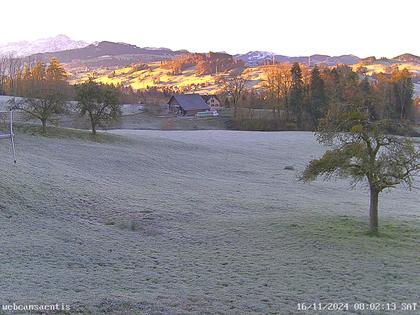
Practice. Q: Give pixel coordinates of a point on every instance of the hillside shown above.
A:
(187, 72)
(150, 75)
(182, 222)
(181, 71)
(198, 72)
(382, 66)
(155, 74)
(408, 58)
(105, 54)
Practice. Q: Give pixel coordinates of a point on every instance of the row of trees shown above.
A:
(302, 96)
(44, 92)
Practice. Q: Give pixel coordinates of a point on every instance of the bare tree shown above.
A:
(277, 84)
(234, 87)
(48, 103)
(3, 67)
(14, 64)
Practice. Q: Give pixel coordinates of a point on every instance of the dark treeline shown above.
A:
(298, 97)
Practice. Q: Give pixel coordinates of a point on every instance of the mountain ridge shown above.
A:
(50, 44)
(107, 53)
(254, 58)
(111, 53)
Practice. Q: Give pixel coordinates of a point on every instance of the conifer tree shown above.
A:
(296, 94)
(317, 96)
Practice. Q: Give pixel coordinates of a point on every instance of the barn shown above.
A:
(187, 104)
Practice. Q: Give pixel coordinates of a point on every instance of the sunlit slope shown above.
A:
(153, 74)
(386, 68)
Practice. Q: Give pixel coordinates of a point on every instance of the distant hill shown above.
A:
(326, 60)
(408, 58)
(108, 54)
(404, 58)
(254, 58)
(50, 44)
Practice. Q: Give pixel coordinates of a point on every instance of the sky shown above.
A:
(289, 27)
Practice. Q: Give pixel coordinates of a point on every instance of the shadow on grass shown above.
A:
(68, 133)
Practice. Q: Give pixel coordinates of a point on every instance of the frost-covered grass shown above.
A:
(4, 105)
(194, 222)
(417, 90)
(66, 133)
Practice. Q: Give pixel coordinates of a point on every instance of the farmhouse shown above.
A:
(187, 104)
(213, 102)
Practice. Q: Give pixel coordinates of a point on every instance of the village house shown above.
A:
(187, 104)
(213, 102)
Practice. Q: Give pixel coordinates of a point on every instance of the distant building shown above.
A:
(128, 109)
(213, 102)
(187, 104)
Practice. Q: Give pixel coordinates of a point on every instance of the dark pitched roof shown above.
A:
(206, 97)
(190, 101)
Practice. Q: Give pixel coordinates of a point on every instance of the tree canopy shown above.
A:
(99, 101)
(364, 150)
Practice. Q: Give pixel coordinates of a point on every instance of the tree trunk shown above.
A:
(374, 198)
(92, 123)
(44, 126)
(93, 127)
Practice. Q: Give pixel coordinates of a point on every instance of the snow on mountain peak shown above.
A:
(50, 44)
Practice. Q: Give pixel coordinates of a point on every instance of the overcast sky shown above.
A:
(288, 27)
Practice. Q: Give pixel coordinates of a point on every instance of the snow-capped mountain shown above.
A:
(50, 44)
(255, 57)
